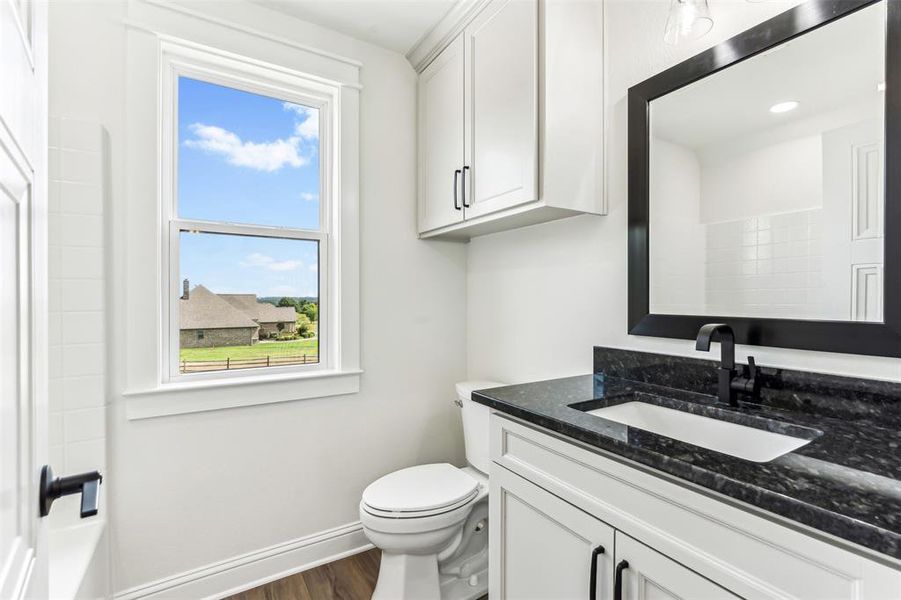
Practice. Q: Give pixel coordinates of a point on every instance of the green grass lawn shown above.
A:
(260, 350)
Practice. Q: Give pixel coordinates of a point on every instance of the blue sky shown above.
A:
(246, 158)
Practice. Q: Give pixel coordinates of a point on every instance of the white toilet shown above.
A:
(431, 521)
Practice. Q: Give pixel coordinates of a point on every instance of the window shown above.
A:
(243, 179)
(248, 236)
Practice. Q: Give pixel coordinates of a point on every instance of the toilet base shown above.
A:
(415, 577)
(408, 576)
(463, 589)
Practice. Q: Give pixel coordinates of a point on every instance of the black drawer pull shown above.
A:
(456, 203)
(618, 580)
(593, 579)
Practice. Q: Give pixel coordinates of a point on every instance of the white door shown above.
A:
(853, 221)
(543, 547)
(23, 295)
(645, 574)
(441, 139)
(501, 118)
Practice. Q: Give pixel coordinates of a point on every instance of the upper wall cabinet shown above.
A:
(511, 117)
(441, 139)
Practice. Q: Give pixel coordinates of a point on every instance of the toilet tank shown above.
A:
(475, 423)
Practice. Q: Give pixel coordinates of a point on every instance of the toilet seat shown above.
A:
(420, 491)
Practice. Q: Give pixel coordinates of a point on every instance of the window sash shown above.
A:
(259, 87)
(176, 227)
(301, 94)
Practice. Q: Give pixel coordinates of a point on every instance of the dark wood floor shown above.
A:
(351, 578)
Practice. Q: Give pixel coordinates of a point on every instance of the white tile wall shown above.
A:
(77, 296)
(767, 266)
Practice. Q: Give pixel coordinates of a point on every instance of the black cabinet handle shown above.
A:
(593, 579)
(456, 175)
(463, 187)
(87, 484)
(618, 580)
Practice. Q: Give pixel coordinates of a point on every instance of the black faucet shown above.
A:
(729, 380)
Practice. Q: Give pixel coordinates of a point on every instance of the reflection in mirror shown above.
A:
(766, 194)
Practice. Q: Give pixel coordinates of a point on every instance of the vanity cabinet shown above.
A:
(510, 119)
(554, 500)
(645, 574)
(548, 549)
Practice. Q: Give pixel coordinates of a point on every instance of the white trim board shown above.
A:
(240, 27)
(247, 571)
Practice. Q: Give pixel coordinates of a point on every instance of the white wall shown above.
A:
(539, 298)
(677, 251)
(782, 177)
(190, 490)
(77, 301)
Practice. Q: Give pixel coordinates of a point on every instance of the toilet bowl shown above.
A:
(431, 521)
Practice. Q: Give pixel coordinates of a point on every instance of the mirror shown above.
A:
(758, 189)
(766, 182)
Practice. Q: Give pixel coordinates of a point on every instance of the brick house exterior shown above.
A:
(207, 338)
(208, 319)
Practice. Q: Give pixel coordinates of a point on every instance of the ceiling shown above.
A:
(393, 24)
(831, 68)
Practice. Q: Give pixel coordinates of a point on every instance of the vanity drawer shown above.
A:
(752, 556)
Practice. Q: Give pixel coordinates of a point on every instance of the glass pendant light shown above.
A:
(688, 20)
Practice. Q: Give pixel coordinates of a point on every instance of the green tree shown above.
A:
(311, 310)
(304, 326)
(288, 302)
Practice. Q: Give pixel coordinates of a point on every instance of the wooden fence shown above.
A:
(277, 360)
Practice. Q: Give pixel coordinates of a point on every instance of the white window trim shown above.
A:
(167, 392)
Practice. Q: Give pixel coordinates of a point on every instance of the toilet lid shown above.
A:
(420, 488)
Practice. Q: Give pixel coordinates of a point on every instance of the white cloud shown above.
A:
(308, 125)
(308, 197)
(314, 267)
(265, 156)
(285, 265)
(270, 264)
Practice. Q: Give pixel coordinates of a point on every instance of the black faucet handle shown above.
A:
(87, 484)
(90, 498)
(749, 383)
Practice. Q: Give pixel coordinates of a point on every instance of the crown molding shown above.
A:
(436, 39)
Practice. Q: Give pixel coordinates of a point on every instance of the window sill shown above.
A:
(200, 396)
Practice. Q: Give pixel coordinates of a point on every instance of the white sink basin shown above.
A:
(752, 444)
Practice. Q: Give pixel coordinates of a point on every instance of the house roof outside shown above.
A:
(205, 310)
(262, 312)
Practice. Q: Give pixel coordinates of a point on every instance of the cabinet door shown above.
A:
(441, 139)
(543, 547)
(501, 107)
(648, 575)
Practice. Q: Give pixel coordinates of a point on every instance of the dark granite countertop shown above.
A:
(846, 481)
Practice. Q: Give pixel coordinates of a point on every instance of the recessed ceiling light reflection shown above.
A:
(880, 87)
(783, 107)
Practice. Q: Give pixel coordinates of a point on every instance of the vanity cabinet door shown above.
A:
(501, 118)
(641, 573)
(543, 547)
(441, 139)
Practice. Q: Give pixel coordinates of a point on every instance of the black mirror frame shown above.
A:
(877, 339)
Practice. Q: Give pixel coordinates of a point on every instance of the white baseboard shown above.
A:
(250, 570)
